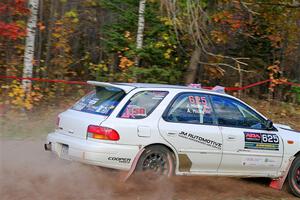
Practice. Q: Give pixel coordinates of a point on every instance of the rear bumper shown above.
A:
(114, 156)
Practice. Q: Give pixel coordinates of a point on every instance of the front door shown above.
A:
(190, 127)
(248, 147)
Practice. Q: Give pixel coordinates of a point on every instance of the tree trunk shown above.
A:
(53, 5)
(140, 31)
(191, 72)
(40, 38)
(29, 45)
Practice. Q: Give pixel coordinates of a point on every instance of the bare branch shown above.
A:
(244, 5)
(227, 65)
(295, 4)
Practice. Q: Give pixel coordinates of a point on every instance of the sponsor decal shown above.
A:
(120, 160)
(253, 161)
(261, 141)
(200, 139)
(133, 111)
(79, 106)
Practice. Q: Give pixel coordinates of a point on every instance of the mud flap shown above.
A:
(133, 165)
(278, 183)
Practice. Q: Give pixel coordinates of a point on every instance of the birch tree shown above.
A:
(141, 27)
(29, 45)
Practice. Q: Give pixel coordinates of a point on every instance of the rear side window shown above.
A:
(142, 104)
(194, 108)
(101, 101)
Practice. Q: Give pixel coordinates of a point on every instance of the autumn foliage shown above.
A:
(236, 43)
(12, 30)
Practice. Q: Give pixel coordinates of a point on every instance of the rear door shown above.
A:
(136, 121)
(248, 148)
(189, 125)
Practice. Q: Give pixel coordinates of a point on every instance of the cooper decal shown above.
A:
(261, 141)
(120, 160)
(200, 139)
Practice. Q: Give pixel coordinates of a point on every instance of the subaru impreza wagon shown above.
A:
(178, 130)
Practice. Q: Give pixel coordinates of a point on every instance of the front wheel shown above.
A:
(294, 177)
(157, 160)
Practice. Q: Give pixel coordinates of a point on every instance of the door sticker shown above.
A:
(261, 141)
(200, 140)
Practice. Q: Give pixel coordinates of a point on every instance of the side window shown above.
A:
(142, 104)
(233, 113)
(191, 108)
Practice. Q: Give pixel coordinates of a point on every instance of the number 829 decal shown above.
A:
(261, 141)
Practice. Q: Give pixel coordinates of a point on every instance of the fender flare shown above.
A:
(136, 159)
(133, 165)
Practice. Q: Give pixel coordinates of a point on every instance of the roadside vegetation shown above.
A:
(36, 125)
(215, 42)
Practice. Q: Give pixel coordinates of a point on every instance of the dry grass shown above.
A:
(278, 112)
(17, 125)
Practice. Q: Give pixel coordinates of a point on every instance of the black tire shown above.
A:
(157, 160)
(294, 177)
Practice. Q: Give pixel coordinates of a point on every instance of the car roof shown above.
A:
(129, 86)
(154, 85)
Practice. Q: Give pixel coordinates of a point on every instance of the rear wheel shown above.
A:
(157, 160)
(294, 177)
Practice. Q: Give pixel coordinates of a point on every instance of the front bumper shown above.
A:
(109, 155)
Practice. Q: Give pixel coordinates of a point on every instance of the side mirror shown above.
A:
(269, 125)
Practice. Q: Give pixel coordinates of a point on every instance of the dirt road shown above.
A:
(28, 172)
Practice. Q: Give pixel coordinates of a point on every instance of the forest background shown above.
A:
(212, 42)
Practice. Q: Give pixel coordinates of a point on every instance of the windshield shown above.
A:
(102, 101)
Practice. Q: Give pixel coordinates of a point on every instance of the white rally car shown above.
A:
(176, 130)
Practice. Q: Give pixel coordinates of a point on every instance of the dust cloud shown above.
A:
(28, 172)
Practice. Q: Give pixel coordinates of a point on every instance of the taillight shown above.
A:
(102, 133)
(57, 122)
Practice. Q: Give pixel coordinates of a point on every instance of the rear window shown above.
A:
(102, 100)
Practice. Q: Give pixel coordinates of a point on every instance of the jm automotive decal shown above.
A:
(200, 139)
(261, 141)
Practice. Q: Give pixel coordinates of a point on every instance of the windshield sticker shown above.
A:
(158, 95)
(261, 141)
(79, 106)
(200, 139)
(198, 105)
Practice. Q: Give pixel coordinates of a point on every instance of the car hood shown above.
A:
(291, 139)
(286, 128)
